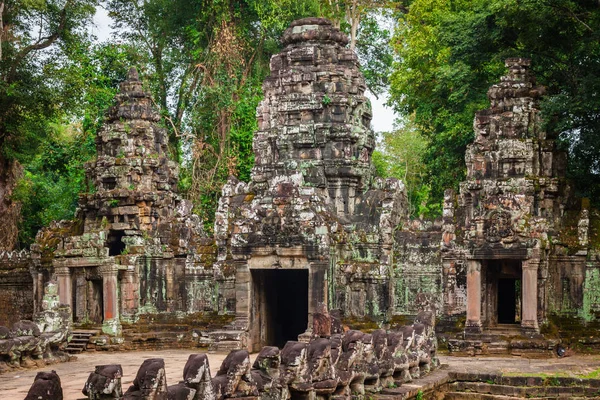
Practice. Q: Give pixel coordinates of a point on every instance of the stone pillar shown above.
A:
(129, 293)
(243, 291)
(65, 286)
(473, 323)
(111, 323)
(317, 289)
(529, 320)
(38, 289)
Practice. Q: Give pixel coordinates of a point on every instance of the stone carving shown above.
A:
(150, 382)
(38, 342)
(132, 232)
(234, 379)
(499, 227)
(336, 367)
(312, 198)
(196, 375)
(515, 223)
(104, 383)
(266, 372)
(46, 386)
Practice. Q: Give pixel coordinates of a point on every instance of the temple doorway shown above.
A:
(502, 296)
(96, 301)
(507, 300)
(279, 307)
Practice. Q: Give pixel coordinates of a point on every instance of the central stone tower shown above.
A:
(313, 229)
(315, 118)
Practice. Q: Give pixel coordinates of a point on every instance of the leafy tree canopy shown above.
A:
(450, 52)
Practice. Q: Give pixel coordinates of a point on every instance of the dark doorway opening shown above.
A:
(501, 299)
(280, 306)
(507, 300)
(96, 303)
(115, 243)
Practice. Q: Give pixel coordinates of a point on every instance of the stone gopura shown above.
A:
(133, 247)
(315, 234)
(314, 227)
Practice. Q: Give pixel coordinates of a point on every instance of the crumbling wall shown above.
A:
(16, 287)
(418, 278)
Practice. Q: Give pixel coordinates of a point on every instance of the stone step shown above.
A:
(70, 349)
(79, 340)
(475, 396)
(92, 332)
(224, 346)
(548, 391)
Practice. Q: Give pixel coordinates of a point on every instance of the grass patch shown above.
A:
(591, 375)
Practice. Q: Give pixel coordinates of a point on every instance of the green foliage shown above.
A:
(52, 180)
(36, 43)
(449, 53)
(54, 175)
(206, 61)
(401, 156)
(222, 119)
(374, 50)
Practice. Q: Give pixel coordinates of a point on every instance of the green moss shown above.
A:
(398, 321)
(594, 231)
(364, 324)
(178, 323)
(550, 330)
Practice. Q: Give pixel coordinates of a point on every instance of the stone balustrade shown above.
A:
(336, 366)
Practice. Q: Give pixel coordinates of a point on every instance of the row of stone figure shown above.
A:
(336, 367)
(36, 342)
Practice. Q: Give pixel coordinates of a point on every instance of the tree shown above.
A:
(400, 155)
(449, 53)
(55, 175)
(352, 12)
(35, 40)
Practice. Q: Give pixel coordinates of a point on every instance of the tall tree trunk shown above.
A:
(1, 26)
(10, 211)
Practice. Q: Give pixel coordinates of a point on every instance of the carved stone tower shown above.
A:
(133, 233)
(511, 202)
(313, 229)
(315, 118)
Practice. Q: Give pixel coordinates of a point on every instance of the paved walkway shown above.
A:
(14, 385)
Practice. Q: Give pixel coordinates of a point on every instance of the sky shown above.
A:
(383, 117)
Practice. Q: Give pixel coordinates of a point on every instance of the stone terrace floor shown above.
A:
(14, 385)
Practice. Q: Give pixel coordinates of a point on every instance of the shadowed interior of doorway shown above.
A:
(503, 291)
(280, 305)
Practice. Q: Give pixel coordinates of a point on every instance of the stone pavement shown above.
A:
(14, 385)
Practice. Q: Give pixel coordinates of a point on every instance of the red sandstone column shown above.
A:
(473, 323)
(65, 286)
(111, 324)
(530, 295)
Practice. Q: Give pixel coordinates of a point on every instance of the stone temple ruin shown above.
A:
(134, 236)
(314, 226)
(520, 236)
(316, 233)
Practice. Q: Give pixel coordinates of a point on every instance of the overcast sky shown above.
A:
(383, 117)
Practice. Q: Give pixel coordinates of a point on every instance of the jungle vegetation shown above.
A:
(204, 62)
